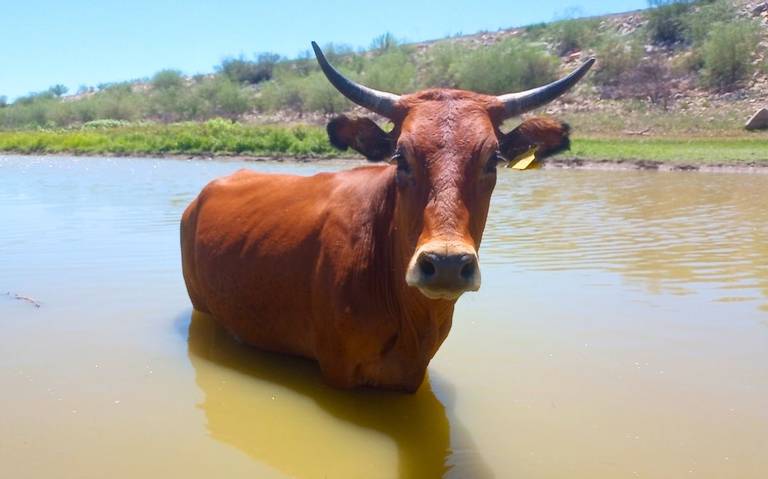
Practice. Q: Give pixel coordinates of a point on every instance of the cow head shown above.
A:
(446, 145)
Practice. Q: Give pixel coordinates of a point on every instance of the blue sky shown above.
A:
(86, 43)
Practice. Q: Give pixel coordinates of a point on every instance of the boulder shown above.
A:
(758, 121)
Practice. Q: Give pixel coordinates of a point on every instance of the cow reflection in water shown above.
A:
(278, 411)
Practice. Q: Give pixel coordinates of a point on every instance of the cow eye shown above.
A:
(402, 164)
(493, 161)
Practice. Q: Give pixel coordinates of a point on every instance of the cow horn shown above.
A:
(519, 103)
(379, 102)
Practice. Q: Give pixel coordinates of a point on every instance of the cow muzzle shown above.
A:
(443, 270)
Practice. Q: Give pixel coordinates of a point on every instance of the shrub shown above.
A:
(392, 71)
(284, 92)
(700, 22)
(440, 70)
(509, 65)
(58, 90)
(319, 95)
(617, 57)
(650, 80)
(384, 43)
(727, 54)
(244, 71)
(222, 97)
(666, 21)
(167, 79)
(573, 35)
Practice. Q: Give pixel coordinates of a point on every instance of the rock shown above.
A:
(760, 8)
(758, 121)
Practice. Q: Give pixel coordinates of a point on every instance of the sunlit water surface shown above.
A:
(621, 331)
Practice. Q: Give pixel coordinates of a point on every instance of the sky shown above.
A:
(79, 42)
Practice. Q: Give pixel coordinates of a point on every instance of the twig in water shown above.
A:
(26, 299)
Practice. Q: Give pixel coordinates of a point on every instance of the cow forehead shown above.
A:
(448, 121)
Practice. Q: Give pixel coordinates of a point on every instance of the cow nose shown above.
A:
(447, 269)
(446, 275)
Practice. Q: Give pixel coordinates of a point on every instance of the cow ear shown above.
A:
(362, 135)
(548, 135)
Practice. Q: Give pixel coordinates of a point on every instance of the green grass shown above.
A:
(214, 137)
(222, 137)
(673, 150)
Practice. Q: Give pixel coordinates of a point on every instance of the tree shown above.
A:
(3, 101)
(245, 71)
(384, 42)
(58, 90)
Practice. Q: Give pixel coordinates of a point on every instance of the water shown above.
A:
(621, 331)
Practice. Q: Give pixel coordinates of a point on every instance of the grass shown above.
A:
(674, 150)
(214, 137)
(222, 137)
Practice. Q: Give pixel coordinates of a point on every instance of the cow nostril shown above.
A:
(468, 270)
(426, 266)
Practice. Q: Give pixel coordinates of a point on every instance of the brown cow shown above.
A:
(360, 269)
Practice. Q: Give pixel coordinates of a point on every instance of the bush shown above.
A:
(319, 95)
(284, 92)
(699, 23)
(727, 54)
(650, 80)
(666, 23)
(392, 71)
(167, 79)
(243, 71)
(440, 70)
(58, 90)
(221, 97)
(573, 35)
(510, 65)
(617, 57)
(384, 43)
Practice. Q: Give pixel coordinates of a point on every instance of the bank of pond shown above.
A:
(224, 138)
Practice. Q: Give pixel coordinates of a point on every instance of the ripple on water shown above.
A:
(658, 229)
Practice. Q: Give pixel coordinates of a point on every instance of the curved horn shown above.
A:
(519, 103)
(379, 102)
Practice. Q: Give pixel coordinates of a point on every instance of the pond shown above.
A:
(621, 331)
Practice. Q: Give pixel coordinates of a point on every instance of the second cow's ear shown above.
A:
(549, 135)
(362, 135)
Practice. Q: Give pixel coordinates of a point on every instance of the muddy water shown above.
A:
(621, 331)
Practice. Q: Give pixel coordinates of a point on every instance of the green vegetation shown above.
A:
(700, 21)
(666, 20)
(217, 136)
(225, 138)
(516, 65)
(575, 34)
(674, 150)
(727, 54)
(244, 71)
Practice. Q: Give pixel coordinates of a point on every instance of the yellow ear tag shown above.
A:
(524, 160)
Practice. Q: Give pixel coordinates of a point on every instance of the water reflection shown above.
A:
(673, 233)
(277, 410)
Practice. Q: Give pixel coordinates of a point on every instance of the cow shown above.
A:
(360, 269)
